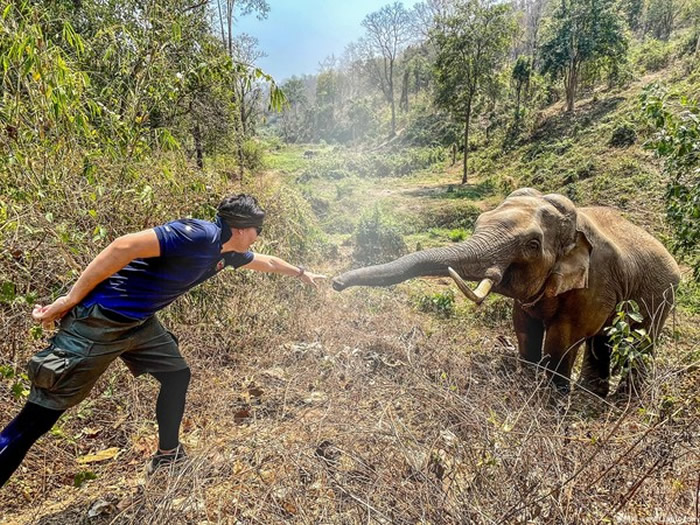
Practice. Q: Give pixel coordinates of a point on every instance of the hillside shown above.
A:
(400, 405)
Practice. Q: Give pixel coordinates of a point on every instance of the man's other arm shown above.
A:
(113, 258)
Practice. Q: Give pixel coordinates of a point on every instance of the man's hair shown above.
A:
(241, 211)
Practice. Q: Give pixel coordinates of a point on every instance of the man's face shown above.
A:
(243, 238)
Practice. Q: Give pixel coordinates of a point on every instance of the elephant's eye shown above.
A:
(534, 244)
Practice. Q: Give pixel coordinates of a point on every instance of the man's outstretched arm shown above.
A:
(271, 264)
(113, 258)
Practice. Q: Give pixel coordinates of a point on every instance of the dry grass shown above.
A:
(388, 416)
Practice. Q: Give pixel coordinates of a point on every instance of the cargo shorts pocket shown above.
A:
(48, 367)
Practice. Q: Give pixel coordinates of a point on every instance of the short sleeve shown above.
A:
(184, 237)
(236, 260)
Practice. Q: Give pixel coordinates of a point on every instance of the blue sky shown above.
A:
(298, 34)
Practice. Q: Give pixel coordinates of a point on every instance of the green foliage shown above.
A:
(460, 215)
(688, 296)
(661, 16)
(633, 11)
(675, 121)
(377, 239)
(471, 45)
(457, 235)
(440, 303)
(117, 80)
(427, 127)
(653, 55)
(582, 34)
(253, 154)
(630, 347)
(83, 476)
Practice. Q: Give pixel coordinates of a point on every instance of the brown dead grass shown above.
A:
(353, 408)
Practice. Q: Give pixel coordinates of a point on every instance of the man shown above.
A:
(110, 312)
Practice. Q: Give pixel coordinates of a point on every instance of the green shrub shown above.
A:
(654, 55)
(623, 136)
(675, 121)
(457, 235)
(460, 215)
(253, 154)
(493, 312)
(377, 240)
(631, 347)
(439, 303)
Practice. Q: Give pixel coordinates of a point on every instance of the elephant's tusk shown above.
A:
(477, 295)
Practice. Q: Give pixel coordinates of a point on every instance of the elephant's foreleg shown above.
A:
(595, 373)
(530, 334)
(561, 345)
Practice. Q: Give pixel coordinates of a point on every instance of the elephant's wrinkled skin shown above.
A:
(566, 268)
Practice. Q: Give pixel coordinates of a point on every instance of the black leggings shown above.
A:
(29, 425)
(34, 421)
(170, 406)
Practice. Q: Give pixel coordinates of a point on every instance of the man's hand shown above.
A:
(46, 315)
(311, 278)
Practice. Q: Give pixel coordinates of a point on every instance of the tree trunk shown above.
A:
(197, 135)
(466, 141)
(243, 116)
(391, 99)
(404, 92)
(454, 154)
(230, 13)
(570, 84)
(239, 137)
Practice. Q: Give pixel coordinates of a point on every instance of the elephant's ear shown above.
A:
(571, 269)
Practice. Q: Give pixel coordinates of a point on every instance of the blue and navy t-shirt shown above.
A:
(190, 252)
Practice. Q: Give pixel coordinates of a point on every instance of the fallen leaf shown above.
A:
(255, 391)
(102, 455)
(241, 415)
(91, 432)
(100, 507)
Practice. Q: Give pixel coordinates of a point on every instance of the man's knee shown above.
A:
(179, 379)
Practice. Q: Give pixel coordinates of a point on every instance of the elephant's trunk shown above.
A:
(473, 260)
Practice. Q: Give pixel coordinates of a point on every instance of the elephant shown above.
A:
(566, 268)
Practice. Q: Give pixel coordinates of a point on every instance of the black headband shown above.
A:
(241, 221)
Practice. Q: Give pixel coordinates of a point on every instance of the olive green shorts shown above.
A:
(86, 343)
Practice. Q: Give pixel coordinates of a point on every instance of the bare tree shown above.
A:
(248, 91)
(427, 14)
(388, 31)
(534, 13)
(225, 11)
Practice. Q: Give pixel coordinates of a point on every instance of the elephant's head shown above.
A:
(528, 247)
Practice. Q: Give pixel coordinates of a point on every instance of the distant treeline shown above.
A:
(430, 71)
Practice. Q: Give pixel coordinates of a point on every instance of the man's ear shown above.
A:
(570, 272)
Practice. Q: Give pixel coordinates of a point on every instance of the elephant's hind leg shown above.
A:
(530, 334)
(595, 373)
